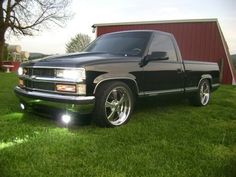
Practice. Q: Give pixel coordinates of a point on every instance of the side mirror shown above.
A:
(154, 56)
(158, 56)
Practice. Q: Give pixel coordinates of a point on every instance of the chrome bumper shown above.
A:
(83, 104)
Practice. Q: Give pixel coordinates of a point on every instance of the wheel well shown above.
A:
(210, 82)
(207, 78)
(131, 83)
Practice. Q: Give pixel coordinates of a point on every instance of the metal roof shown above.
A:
(157, 22)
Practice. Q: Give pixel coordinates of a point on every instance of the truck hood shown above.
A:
(78, 60)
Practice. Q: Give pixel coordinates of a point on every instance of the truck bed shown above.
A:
(195, 69)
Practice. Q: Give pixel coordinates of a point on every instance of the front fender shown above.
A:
(108, 77)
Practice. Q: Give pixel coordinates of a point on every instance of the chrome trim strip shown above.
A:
(58, 79)
(188, 89)
(114, 78)
(160, 92)
(215, 85)
(49, 79)
(54, 96)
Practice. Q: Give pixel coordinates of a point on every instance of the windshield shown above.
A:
(127, 43)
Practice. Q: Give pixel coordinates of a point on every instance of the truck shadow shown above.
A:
(54, 114)
(142, 105)
(166, 101)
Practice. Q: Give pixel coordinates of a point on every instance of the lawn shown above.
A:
(164, 138)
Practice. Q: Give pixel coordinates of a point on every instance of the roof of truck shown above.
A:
(149, 31)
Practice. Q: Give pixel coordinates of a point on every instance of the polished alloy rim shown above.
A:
(118, 106)
(205, 93)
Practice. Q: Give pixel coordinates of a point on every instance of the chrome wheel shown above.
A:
(118, 105)
(204, 93)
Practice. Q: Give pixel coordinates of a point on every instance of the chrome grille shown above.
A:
(39, 85)
(47, 79)
(40, 72)
(41, 79)
(31, 83)
(44, 85)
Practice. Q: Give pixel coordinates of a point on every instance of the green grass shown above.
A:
(164, 138)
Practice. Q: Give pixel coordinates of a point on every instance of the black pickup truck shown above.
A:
(112, 72)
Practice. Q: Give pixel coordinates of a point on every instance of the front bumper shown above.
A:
(81, 104)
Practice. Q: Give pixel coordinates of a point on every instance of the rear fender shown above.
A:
(206, 76)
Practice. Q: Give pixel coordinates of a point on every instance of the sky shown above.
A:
(89, 12)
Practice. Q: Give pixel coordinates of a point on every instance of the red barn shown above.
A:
(198, 40)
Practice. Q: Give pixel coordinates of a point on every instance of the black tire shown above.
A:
(203, 95)
(114, 104)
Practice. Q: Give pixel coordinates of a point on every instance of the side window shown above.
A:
(163, 43)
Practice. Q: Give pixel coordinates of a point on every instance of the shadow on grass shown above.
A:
(45, 114)
(51, 117)
(160, 101)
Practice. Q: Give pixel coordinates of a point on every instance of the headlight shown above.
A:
(20, 71)
(77, 75)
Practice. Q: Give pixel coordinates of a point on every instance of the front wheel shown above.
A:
(114, 104)
(203, 95)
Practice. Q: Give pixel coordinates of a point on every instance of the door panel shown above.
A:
(163, 75)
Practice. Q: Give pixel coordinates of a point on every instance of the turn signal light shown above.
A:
(66, 88)
(21, 83)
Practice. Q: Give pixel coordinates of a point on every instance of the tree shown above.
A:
(6, 52)
(78, 43)
(24, 17)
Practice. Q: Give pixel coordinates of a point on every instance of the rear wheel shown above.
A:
(114, 104)
(203, 95)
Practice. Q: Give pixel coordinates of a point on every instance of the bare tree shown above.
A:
(78, 43)
(24, 17)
